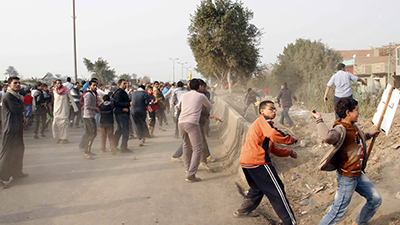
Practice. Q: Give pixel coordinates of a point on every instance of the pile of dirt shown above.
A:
(310, 191)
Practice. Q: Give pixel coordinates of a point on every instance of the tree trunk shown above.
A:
(229, 81)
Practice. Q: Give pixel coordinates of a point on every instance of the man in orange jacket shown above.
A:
(258, 169)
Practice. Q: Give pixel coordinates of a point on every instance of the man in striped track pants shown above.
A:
(258, 169)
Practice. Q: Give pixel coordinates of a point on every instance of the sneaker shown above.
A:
(176, 159)
(250, 214)
(203, 166)
(193, 179)
(35, 136)
(64, 141)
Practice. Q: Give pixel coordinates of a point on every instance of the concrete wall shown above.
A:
(232, 131)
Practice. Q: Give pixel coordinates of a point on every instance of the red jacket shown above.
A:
(152, 104)
(28, 100)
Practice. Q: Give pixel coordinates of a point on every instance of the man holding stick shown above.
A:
(352, 157)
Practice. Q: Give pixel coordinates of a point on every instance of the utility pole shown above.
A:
(390, 54)
(75, 62)
(173, 68)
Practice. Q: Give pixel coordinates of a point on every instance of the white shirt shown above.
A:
(342, 81)
(69, 85)
(191, 104)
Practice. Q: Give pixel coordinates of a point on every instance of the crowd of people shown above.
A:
(136, 111)
(99, 108)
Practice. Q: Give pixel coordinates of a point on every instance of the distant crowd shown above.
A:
(132, 110)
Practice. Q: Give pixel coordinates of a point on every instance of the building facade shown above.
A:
(377, 66)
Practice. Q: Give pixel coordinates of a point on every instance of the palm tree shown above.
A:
(100, 70)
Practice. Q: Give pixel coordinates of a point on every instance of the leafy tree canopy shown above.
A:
(100, 70)
(11, 72)
(306, 66)
(125, 76)
(223, 40)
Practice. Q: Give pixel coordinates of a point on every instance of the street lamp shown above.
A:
(173, 68)
(182, 63)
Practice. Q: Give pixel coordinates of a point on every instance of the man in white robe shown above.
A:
(63, 100)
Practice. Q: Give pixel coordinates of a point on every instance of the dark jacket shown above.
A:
(121, 101)
(285, 96)
(251, 98)
(38, 100)
(141, 100)
(205, 113)
(106, 114)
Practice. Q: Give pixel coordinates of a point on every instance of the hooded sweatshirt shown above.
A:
(106, 112)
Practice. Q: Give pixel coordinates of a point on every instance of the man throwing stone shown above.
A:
(190, 105)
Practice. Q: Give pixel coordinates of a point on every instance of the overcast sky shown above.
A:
(140, 36)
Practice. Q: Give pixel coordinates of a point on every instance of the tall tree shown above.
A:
(11, 72)
(125, 76)
(306, 66)
(100, 70)
(223, 41)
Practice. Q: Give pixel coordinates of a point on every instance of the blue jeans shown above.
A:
(122, 129)
(28, 114)
(346, 187)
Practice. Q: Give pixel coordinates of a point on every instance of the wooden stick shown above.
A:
(380, 120)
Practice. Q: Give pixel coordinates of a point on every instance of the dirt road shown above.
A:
(140, 188)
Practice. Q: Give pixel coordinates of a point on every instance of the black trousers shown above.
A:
(264, 180)
(139, 124)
